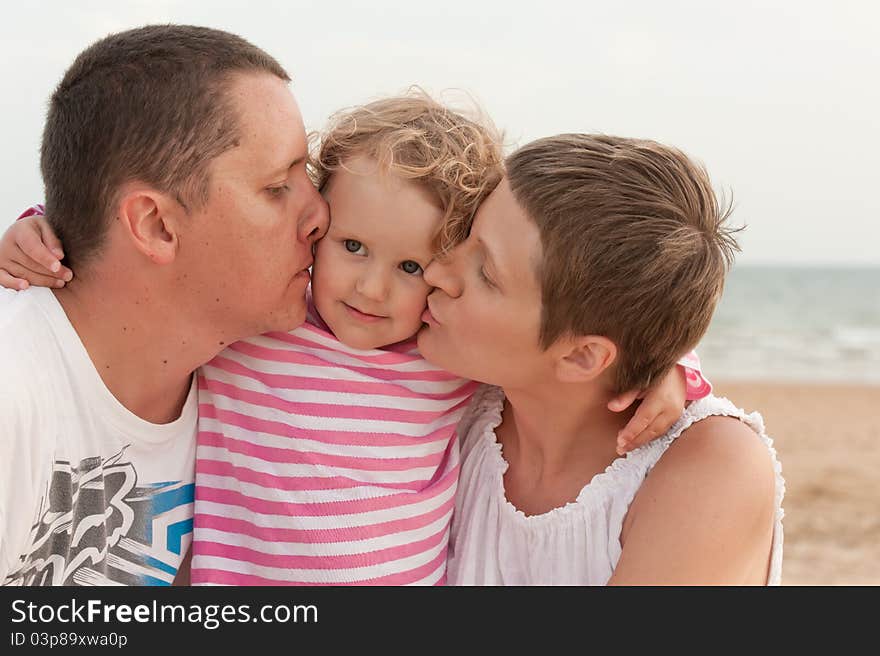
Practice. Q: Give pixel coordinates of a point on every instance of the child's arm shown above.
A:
(662, 405)
(30, 254)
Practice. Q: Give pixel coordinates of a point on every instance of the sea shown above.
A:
(819, 325)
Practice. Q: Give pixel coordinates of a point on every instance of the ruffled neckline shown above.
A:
(601, 482)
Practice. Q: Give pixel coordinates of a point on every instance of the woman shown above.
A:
(544, 499)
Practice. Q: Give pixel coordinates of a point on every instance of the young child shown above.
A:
(327, 455)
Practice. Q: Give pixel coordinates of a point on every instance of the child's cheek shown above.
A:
(411, 315)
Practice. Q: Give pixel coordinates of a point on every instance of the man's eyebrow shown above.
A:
(285, 169)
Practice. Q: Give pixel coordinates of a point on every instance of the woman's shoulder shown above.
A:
(485, 405)
(710, 506)
(717, 483)
(482, 415)
(718, 447)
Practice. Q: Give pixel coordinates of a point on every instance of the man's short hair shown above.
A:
(147, 104)
(636, 246)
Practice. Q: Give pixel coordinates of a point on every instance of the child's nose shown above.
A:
(373, 283)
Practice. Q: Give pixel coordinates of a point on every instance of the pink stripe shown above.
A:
(351, 438)
(285, 381)
(299, 338)
(293, 357)
(299, 483)
(322, 508)
(319, 509)
(222, 577)
(348, 561)
(320, 535)
(334, 411)
(298, 457)
(449, 454)
(414, 575)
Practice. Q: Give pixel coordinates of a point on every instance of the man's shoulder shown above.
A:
(21, 312)
(12, 304)
(29, 346)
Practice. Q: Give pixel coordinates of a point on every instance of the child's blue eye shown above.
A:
(353, 246)
(411, 267)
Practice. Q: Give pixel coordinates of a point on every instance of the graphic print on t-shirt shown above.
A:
(95, 526)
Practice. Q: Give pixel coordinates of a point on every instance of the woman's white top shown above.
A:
(493, 543)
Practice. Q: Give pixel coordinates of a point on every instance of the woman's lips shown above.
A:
(429, 318)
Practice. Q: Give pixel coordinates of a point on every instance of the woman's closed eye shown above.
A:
(485, 278)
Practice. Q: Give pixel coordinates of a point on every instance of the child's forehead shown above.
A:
(384, 177)
(370, 207)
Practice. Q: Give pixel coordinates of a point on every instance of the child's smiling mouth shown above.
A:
(362, 316)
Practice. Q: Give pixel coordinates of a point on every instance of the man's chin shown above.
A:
(296, 319)
(284, 322)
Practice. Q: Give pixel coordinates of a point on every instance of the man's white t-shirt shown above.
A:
(90, 494)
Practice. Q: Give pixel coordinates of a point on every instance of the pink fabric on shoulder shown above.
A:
(698, 385)
(33, 210)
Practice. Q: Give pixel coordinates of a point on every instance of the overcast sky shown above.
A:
(780, 100)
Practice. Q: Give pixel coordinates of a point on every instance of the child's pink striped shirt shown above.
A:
(321, 464)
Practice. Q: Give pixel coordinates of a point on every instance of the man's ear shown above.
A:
(151, 219)
(585, 358)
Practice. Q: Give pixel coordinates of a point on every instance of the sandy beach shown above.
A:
(828, 439)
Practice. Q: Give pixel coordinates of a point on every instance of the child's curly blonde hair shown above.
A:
(457, 159)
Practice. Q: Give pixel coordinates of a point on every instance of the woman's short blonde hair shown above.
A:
(457, 159)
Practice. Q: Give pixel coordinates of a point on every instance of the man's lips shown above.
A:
(304, 271)
(362, 316)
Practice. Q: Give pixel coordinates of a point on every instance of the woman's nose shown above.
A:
(442, 273)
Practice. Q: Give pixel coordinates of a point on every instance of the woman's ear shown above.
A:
(150, 219)
(585, 358)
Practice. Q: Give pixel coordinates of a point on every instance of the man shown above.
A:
(174, 164)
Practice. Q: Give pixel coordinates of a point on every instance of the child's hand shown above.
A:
(30, 254)
(660, 409)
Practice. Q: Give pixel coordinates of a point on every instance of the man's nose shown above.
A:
(443, 274)
(314, 221)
